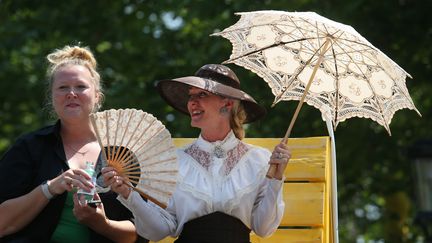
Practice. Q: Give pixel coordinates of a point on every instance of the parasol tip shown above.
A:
(418, 112)
(388, 129)
(275, 101)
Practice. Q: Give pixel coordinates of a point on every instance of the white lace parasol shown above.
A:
(337, 69)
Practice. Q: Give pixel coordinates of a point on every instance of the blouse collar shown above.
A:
(220, 147)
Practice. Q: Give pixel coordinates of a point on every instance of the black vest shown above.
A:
(216, 227)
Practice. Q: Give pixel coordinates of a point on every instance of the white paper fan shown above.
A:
(141, 149)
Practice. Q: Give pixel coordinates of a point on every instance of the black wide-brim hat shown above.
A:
(215, 78)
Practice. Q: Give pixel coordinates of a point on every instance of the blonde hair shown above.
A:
(73, 55)
(237, 118)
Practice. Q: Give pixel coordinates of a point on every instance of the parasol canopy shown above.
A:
(304, 56)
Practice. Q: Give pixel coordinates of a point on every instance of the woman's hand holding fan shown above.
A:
(117, 183)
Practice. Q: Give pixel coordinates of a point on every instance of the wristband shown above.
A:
(46, 191)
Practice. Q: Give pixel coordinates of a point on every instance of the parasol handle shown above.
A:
(272, 169)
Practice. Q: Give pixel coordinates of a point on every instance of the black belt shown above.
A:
(216, 227)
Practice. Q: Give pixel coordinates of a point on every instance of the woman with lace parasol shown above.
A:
(223, 192)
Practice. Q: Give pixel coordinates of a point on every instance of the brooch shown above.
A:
(219, 152)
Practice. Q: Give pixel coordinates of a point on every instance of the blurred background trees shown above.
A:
(137, 42)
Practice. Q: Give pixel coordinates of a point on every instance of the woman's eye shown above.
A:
(202, 95)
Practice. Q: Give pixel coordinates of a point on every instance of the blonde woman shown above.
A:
(38, 202)
(223, 192)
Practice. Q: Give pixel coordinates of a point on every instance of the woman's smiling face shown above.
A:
(204, 107)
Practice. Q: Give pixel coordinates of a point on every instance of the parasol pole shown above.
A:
(300, 104)
(272, 169)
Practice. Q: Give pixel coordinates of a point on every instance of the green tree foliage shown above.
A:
(137, 42)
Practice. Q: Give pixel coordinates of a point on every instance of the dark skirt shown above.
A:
(216, 227)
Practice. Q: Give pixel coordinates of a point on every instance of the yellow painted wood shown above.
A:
(291, 236)
(166, 240)
(304, 204)
(179, 142)
(308, 156)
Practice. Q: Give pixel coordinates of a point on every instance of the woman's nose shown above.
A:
(192, 104)
(71, 93)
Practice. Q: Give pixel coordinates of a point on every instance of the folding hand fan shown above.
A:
(140, 148)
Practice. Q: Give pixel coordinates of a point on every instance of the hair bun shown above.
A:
(70, 53)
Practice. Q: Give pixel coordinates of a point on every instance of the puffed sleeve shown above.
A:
(269, 206)
(151, 221)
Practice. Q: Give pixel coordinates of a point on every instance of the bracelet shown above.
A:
(46, 191)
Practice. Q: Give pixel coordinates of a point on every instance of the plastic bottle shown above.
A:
(86, 197)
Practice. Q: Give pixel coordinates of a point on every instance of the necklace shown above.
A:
(78, 151)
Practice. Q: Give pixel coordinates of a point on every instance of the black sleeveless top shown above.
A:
(216, 227)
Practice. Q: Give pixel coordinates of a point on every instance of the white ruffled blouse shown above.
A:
(228, 176)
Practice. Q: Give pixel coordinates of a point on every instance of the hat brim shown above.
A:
(176, 93)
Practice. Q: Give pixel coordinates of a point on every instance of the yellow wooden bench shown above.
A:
(308, 216)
